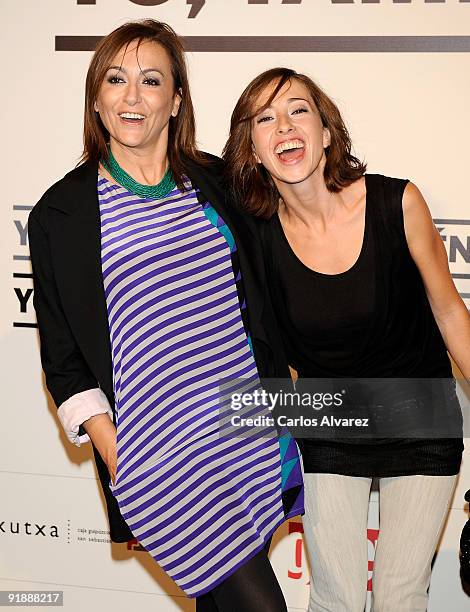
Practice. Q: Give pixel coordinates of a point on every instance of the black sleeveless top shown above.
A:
(371, 321)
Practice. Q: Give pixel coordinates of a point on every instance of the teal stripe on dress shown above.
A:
(290, 462)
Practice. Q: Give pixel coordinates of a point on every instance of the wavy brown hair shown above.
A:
(249, 181)
(182, 128)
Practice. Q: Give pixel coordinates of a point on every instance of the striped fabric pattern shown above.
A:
(201, 502)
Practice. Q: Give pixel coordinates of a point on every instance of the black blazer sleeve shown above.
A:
(65, 369)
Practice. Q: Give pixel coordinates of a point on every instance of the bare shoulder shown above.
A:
(413, 199)
(419, 225)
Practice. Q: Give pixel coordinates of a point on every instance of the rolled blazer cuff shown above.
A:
(80, 407)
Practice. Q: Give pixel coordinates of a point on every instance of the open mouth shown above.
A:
(134, 118)
(290, 150)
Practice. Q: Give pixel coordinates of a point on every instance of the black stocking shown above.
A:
(252, 588)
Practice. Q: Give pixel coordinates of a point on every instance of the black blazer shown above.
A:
(65, 246)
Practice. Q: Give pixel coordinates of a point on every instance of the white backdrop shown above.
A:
(407, 103)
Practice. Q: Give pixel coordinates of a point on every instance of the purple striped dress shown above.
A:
(200, 502)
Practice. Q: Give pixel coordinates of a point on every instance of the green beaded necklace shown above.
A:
(153, 192)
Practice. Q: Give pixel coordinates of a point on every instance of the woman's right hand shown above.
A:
(103, 434)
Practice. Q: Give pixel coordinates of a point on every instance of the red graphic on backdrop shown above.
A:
(372, 536)
(296, 574)
(134, 545)
(297, 528)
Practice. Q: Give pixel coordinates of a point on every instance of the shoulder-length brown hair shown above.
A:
(249, 181)
(182, 128)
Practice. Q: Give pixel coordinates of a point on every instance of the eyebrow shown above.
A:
(288, 100)
(122, 69)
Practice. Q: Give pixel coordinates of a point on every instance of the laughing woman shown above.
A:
(149, 289)
(362, 289)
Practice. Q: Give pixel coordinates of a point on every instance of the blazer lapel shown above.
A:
(76, 244)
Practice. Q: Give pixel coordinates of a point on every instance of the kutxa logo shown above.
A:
(29, 529)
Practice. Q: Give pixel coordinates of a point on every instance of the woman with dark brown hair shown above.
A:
(148, 289)
(362, 290)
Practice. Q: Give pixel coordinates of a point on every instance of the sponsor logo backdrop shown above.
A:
(397, 69)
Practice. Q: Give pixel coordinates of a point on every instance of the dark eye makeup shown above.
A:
(114, 78)
(147, 81)
(151, 81)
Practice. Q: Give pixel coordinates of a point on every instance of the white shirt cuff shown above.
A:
(80, 407)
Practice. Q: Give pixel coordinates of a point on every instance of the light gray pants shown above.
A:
(413, 510)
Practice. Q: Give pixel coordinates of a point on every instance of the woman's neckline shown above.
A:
(112, 183)
(365, 236)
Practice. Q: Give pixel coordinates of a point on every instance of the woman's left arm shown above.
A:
(429, 254)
